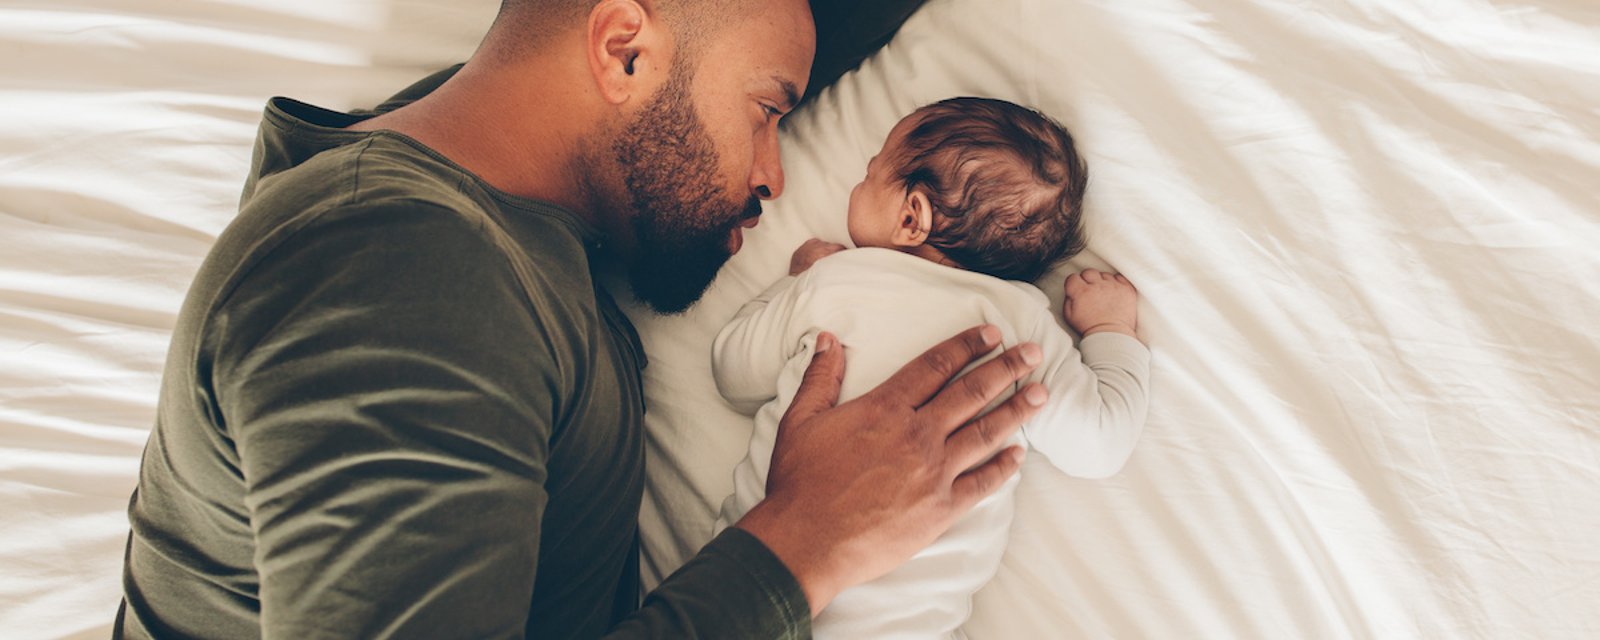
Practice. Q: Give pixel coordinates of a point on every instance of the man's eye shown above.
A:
(771, 111)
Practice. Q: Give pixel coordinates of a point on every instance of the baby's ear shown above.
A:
(915, 220)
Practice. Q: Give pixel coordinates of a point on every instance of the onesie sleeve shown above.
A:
(749, 353)
(1098, 400)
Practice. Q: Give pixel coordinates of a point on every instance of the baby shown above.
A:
(968, 200)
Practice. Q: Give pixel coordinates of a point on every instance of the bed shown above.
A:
(1365, 234)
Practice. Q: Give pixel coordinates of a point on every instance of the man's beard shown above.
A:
(682, 220)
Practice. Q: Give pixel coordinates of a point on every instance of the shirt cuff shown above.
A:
(772, 578)
(1117, 348)
(755, 592)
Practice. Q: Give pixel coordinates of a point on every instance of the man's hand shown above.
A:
(1097, 301)
(857, 489)
(809, 253)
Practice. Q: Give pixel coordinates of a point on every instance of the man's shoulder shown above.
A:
(377, 182)
(317, 217)
(369, 171)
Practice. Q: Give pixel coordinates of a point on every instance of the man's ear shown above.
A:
(915, 220)
(619, 42)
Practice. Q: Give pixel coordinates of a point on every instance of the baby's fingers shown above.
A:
(1074, 284)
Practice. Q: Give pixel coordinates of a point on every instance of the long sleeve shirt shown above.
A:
(886, 307)
(397, 405)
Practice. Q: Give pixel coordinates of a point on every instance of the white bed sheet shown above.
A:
(1365, 234)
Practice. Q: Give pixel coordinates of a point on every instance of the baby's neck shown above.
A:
(928, 253)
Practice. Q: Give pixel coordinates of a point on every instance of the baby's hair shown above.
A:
(1005, 183)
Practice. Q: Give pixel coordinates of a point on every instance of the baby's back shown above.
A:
(887, 308)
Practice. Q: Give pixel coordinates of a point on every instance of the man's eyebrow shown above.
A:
(791, 94)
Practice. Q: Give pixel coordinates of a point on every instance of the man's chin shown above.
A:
(670, 289)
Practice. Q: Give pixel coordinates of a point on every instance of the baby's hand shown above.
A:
(1098, 301)
(809, 253)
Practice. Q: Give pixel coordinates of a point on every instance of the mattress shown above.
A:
(1364, 233)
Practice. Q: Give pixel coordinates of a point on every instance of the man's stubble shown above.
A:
(682, 219)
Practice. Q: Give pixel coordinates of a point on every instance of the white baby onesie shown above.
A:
(887, 308)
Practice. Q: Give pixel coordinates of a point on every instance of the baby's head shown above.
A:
(984, 184)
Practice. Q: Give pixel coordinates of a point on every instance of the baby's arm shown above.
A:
(750, 352)
(1097, 402)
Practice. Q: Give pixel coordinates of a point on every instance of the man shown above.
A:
(398, 405)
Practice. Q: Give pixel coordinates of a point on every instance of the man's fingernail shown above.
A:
(1035, 395)
(1017, 455)
(1031, 354)
(991, 335)
(824, 343)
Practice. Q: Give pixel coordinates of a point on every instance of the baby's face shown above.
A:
(876, 202)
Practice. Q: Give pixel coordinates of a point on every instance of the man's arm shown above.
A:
(391, 404)
(735, 587)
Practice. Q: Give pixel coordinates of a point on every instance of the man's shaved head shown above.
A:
(671, 158)
(525, 25)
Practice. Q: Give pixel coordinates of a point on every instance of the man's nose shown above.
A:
(766, 177)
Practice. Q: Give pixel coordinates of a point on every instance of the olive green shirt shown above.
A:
(397, 404)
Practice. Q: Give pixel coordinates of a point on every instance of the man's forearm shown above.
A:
(734, 588)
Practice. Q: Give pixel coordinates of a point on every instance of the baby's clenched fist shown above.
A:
(1098, 301)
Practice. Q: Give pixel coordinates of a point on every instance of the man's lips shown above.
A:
(749, 220)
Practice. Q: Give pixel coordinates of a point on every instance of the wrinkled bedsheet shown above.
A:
(1364, 232)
